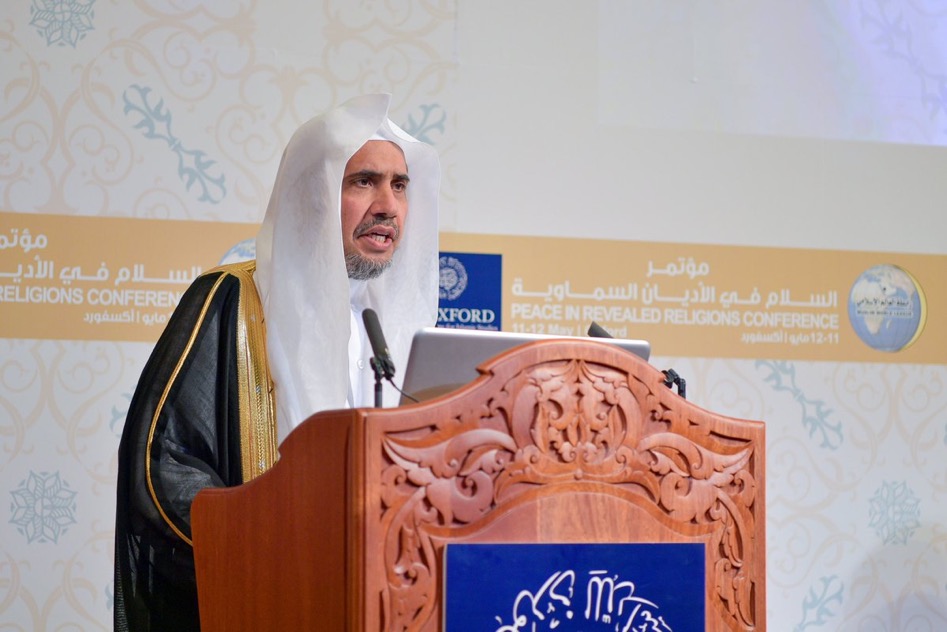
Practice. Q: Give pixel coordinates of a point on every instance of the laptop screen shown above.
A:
(442, 360)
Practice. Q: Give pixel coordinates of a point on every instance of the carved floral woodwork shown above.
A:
(571, 424)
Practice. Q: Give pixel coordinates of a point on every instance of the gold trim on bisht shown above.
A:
(258, 447)
(160, 407)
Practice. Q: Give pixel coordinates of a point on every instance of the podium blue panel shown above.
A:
(574, 587)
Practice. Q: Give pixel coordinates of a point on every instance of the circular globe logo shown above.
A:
(886, 308)
(453, 278)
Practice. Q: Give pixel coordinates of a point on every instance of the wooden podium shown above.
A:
(556, 441)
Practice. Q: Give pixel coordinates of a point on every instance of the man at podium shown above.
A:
(255, 348)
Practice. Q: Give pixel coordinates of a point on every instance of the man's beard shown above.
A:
(362, 268)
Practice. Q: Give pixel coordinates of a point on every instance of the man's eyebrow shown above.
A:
(365, 173)
(374, 175)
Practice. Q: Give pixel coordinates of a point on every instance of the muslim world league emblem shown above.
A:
(886, 308)
(574, 587)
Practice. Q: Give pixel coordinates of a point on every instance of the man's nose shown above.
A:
(385, 202)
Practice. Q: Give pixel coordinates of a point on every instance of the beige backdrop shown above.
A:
(788, 146)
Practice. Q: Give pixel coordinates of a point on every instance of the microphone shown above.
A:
(597, 331)
(671, 377)
(382, 363)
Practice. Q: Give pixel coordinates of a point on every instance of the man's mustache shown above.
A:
(368, 225)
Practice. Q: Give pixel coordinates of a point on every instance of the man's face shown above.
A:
(374, 205)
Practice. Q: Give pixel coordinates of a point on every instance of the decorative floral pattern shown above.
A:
(820, 604)
(815, 415)
(433, 118)
(892, 33)
(117, 420)
(62, 22)
(43, 507)
(193, 164)
(895, 513)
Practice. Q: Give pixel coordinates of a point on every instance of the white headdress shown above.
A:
(301, 271)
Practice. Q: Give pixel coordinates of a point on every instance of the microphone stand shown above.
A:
(381, 360)
(379, 370)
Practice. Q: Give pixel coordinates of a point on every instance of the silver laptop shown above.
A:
(442, 360)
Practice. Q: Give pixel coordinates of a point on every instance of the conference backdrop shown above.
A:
(755, 188)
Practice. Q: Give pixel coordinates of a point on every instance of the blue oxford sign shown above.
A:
(574, 587)
(470, 291)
